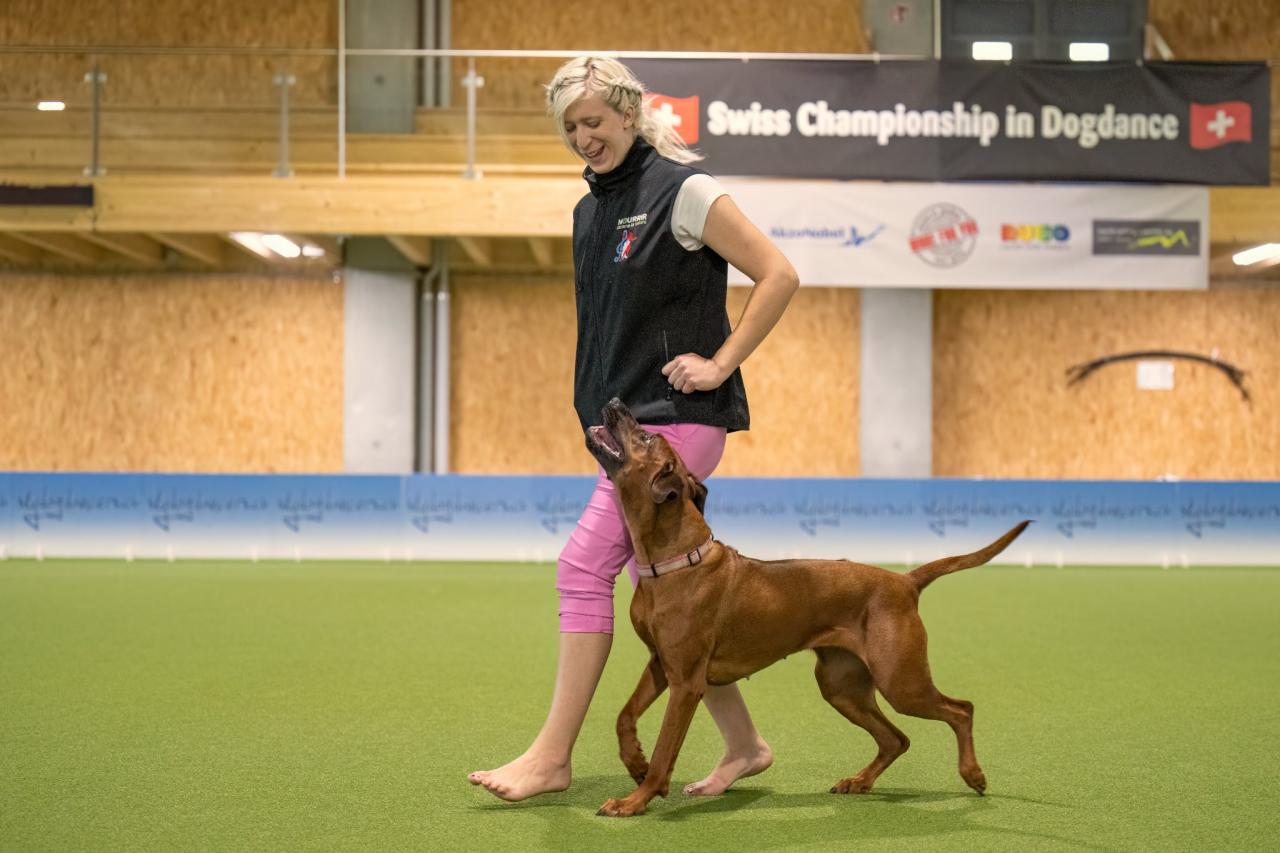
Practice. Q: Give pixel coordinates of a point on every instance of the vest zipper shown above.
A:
(591, 283)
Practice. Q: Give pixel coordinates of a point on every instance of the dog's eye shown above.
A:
(648, 437)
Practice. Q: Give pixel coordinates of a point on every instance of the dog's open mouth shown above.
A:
(604, 440)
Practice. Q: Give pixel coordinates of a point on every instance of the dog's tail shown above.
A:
(930, 572)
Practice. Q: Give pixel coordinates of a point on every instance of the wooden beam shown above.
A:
(202, 247)
(543, 251)
(417, 249)
(68, 246)
(1248, 215)
(478, 249)
(17, 251)
(135, 247)
(442, 206)
(31, 219)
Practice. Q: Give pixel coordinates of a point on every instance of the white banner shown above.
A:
(1068, 236)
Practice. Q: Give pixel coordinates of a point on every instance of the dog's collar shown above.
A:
(683, 561)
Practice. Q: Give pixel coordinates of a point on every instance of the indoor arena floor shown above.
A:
(339, 706)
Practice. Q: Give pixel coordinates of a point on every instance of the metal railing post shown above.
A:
(342, 88)
(471, 82)
(284, 81)
(95, 79)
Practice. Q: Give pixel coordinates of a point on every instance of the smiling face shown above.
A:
(598, 133)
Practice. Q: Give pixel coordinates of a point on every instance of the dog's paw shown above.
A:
(852, 785)
(638, 770)
(621, 808)
(976, 779)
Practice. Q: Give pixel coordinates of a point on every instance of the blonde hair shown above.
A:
(619, 88)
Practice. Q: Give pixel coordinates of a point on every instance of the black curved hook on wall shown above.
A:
(1079, 372)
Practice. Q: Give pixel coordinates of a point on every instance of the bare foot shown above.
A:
(730, 769)
(527, 776)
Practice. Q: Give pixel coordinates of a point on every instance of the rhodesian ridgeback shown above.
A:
(709, 615)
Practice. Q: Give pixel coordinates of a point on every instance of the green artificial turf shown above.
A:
(230, 706)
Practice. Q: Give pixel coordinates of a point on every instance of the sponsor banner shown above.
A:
(866, 234)
(1201, 123)
(388, 518)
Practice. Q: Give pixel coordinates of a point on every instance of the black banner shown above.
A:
(24, 195)
(1184, 122)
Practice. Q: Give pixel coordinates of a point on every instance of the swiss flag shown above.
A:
(1217, 124)
(681, 113)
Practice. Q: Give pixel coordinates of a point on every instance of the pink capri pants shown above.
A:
(599, 546)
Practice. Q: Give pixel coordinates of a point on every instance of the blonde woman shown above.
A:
(651, 244)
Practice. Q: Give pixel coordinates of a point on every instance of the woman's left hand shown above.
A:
(691, 372)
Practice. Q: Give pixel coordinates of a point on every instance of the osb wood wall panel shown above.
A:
(1218, 29)
(820, 26)
(165, 373)
(1223, 30)
(169, 81)
(1002, 407)
(512, 347)
(802, 386)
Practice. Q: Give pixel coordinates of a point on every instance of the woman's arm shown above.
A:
(733, 237)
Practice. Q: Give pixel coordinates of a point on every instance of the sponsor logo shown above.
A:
(1170, 237)
(1031, 236)
(1219, 124)
(943, 235)
(632, 221)
(841, 237)
(625, 245)
(680, 113)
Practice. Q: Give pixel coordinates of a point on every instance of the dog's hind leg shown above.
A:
(652, 682)
(898, 659)
(846, 683)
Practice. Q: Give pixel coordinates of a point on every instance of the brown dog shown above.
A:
(711, 616)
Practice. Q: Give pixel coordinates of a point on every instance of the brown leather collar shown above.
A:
(683, 561)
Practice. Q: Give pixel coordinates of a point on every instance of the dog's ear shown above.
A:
(667, 484)
(699, 494)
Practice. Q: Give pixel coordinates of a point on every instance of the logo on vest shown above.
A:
(625, 245)
(630, 228)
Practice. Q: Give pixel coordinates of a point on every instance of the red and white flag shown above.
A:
(680, 113)
(1217, 124)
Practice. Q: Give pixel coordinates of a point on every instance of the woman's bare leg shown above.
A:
(545, 766)
(745, 752)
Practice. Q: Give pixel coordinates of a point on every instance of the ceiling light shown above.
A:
(1265, 252)
(281, 245)
(309, 251)
(994, 50)
(1089, 51)
(50, 106)
(252, 241)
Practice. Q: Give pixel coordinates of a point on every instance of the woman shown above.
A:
(650, 245)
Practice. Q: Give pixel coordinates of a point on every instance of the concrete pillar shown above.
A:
(896, 396)
(379, 400)
(382, 91)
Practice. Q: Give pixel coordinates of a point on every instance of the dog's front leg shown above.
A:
(675, 725)
(652, 682)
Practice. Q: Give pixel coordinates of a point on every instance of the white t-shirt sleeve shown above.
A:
(693, 203)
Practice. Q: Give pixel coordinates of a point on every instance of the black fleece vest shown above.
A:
(644, 299)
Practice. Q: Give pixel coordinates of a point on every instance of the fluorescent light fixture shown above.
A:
(994, 50)
(1265, 252)
(309, 251)
(281, 245)
(1089, 51)
(252, 241)
(51, 106)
